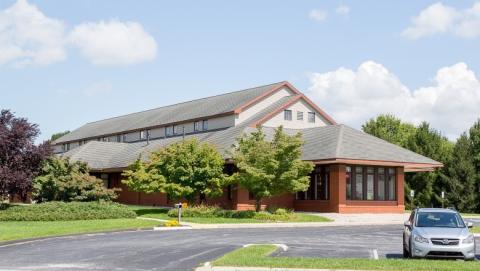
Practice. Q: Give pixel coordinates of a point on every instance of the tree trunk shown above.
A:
(258, 204)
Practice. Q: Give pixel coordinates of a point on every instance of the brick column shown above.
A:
(400, 177)
(337, 187)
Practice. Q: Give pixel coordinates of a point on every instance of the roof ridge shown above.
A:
(339, 140)
(175, 104)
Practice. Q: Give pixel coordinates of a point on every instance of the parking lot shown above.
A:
(186, 249)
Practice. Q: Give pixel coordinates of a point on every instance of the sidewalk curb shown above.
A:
(234, 268)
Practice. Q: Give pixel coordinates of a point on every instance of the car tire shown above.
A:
(410, 250)
(405, 251)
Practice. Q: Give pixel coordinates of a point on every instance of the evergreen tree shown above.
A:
(462, 183)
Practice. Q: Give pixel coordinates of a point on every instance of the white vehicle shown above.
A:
(437, 233)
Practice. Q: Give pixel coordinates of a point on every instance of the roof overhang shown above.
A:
(408, 166)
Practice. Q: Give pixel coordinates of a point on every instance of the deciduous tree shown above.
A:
(62, 180)
(186, 169)
(271, 168)
(20, 157)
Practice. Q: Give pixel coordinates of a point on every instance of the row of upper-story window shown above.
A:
(172, 130)
(288, 115)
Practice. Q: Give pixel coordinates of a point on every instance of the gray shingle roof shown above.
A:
(321, 143)
(200, 108)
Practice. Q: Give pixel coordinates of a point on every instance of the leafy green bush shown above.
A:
(55, 211)
(62, 180)
(213, 211)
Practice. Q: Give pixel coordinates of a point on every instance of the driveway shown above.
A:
(186, 249)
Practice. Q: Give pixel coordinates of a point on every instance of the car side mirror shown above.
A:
(407, 224)
(469, 224)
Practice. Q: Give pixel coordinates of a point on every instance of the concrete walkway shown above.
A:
(338, 220)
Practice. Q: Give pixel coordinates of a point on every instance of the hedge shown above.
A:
(56, 211)
(213, 211)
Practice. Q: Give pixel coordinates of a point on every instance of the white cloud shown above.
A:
(27, 36)
(98, 88)
(318, 15)
(343, 10)
(450, 103)
(439, 18)
(114, 42)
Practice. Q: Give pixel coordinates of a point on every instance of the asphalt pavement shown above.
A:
(187, 249)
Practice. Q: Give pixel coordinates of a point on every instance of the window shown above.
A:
(359, 183)
(287, 114)
(319, 185)
(143, 134)
(196, 126)
(105, 139)
(205, 125)
(299, 115)
(168, 130)
(348, 176)
(119, 138)
(381, 184)
(176, 129)
(104, 178)
(370, 183)
(124, 138)
(391, 184)
(311, 117)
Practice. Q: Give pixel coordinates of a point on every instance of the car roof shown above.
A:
(436, 210)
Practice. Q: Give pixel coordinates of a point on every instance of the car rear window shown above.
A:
(439, 219)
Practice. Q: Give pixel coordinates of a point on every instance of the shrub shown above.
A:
(281, 211)
(55, 211)
(61, 180)
(213, 211)
(171, 223)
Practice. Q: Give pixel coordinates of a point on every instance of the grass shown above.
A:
(258, 256)
(14, 230)
(161, 213)
(475, 229)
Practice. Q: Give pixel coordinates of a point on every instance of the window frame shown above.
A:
(311, 120)
(196, 126)
(287, 114)
(204, 125)
(390, 174)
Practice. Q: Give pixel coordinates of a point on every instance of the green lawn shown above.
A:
(161, 213)
(258, 256)
(475, 229)
(13, 230)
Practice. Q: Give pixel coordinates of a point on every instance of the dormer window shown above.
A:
(287, 114)
(205, 125)
(144, 134)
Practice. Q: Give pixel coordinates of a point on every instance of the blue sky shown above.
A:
(356, 59)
